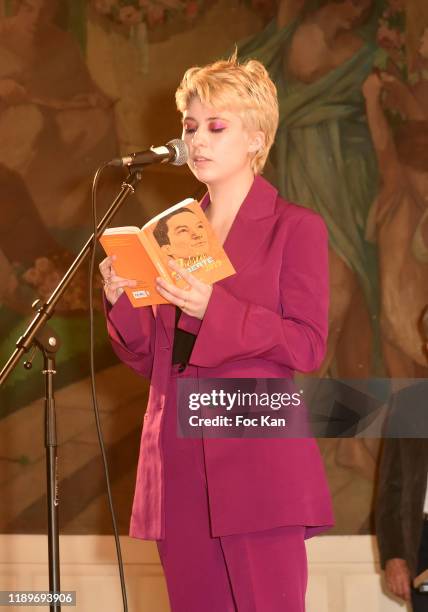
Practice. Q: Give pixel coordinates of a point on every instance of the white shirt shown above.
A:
(426, 499)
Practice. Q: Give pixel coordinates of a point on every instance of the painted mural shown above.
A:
(83, 81)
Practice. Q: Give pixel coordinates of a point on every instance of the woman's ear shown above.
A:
(257, 141)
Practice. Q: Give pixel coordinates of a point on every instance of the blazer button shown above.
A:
(181, 367)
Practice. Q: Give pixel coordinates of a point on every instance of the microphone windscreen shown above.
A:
(182, 153)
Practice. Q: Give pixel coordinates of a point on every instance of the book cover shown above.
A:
(183, 233)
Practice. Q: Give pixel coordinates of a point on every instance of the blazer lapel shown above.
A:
(247, 233)
(251, 224)
(166, 314)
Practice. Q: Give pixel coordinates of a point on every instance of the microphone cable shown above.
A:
(93, 385)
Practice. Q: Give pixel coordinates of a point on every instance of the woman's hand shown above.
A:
(113, 284)
(193, 300)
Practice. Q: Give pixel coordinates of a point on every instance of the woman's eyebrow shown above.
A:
(214, 118)
(207, 119)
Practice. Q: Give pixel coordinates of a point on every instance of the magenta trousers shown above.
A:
(249, 572)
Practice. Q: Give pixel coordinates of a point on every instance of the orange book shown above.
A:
(183, 233)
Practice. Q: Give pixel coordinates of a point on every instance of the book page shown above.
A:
(168, 211)
(130, 229)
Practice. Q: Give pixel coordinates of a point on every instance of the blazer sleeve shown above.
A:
(388, 504)
(234, 328)
(131, 332)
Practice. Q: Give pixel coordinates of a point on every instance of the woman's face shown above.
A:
(351, 13)
(32, 13)
(220, 148)
(187, 236)
(423, 47)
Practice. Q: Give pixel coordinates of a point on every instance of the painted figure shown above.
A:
(55, 124)
(323, 156)
(398, 217)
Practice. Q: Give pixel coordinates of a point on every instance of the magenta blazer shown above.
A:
(266, 321)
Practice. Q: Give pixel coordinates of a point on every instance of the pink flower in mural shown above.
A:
(395, 6)
(129, 15)
(104, 6)
(192, 9)
(45, 274)
(155, 15)
(172, 4)
(389, 38)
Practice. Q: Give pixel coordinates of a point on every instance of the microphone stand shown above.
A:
(39, 335)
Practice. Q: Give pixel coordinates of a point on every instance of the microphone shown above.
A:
(174, 152)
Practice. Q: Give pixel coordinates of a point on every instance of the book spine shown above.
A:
(151, 252)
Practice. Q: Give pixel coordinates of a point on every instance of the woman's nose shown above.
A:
(198, 137)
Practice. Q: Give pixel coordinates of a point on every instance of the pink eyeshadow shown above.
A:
(216, 125)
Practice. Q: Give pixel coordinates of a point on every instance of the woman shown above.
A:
(230, 515)
(397, 219)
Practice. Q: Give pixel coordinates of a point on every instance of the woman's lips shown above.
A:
(200, 160)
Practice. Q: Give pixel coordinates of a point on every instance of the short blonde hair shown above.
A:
(245, 88)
